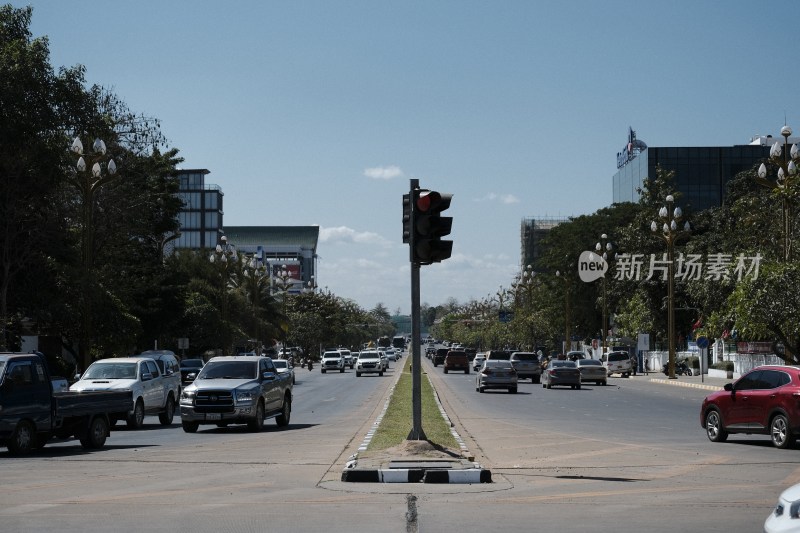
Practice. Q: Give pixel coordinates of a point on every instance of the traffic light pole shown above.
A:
(416, 361)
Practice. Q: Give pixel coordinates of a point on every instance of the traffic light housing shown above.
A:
(408, 224)
(427, 246)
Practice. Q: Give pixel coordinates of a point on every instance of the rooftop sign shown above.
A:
(631, 150)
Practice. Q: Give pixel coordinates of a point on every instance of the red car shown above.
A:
(765, 401)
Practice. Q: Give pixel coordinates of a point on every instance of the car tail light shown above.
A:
(486, 371)
(512, 370)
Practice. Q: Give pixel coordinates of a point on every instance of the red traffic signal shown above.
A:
(430, 226)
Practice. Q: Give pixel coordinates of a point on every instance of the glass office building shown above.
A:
(201, 216)
(701, 173)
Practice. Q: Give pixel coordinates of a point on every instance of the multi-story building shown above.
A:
(701, 172)
(201, 216)
(532, 232)
(291, 249)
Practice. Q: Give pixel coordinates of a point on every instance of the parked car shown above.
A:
(332, 360)
(477, 363)
(763, 401)
(189, 369)
(785, 517)
(283, 366)
(527, 366)
(561, 372)
(369, 362)
(153, 392)
(456, 360)
(237, 390)
(592, 371)
(618, 363)
(496, 375)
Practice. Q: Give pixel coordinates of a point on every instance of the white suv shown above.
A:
(618, 363)
(332, 360)
(348, 357)
(369, 361)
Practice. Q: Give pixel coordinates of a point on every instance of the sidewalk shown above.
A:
(695, 382)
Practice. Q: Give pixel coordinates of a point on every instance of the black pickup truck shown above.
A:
(31, 413)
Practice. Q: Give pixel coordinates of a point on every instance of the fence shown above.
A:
(742, 362)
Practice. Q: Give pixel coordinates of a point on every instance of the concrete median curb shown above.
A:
(676, 383)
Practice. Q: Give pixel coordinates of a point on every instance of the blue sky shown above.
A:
(319, 112)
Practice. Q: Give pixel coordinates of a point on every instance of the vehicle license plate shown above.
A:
(213, 416)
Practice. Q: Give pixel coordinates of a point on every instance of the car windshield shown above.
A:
(368, 355)
(280, 364)
(331, 356)
(229, 370)
(191, 363)
(524, 357)
(498, 364)
(618, 357)
(566, 364)
(589, 362)
(111, 371)
(500, 356)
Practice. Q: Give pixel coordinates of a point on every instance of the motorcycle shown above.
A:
(681, 368)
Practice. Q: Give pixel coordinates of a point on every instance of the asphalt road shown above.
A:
(627, 457)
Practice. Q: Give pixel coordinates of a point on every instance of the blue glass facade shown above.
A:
(701, 173)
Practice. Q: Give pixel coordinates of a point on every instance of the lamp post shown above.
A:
(605, 247)
(787, 171)
(224, 255)
(282, 281)
(88, 178)
(523, 292)
(567, 345)
(255, 273)
(670, 233)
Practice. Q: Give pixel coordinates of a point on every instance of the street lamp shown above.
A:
(88, 179)
(787, 171)
(224, 255)
(606, 247)
(670, 233)
(255, 272)
(523, 291)
(567, 345)
(282, 281)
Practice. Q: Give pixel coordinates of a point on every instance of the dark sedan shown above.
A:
(560, 372)
(190, 366)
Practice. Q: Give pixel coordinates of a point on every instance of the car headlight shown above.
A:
(187, 396)
(245, 396)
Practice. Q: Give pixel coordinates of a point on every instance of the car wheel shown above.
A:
(781, 433)
(322, 370)
(222, 424)
(549, 385)
(544, 386)
(136, 419)
(96, 433)
(169, 412)
(512, 390)
(21, 441)
(466, 371)
(605, 382)
(341, 370)
(286, 412)
(358, 374)
(190, 427)
(380, 373)
(578, 387)
(257, 424)
(481, 389)
(714, 429)
(445, 371)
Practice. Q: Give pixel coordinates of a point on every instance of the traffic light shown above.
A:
(407, 222)
(429, 227)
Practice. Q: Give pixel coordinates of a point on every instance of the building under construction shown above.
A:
(533, 231)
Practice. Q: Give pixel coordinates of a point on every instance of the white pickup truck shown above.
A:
(153, 392)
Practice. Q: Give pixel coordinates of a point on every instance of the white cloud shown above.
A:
(383, 173)
(343, 234)
(502, 198)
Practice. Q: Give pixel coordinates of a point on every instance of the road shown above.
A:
(627, 457)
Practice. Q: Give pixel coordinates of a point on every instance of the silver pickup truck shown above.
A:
(237, 390)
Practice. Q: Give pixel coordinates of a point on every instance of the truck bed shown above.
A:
(71, 403)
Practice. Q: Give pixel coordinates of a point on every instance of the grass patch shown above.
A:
(399, 417)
